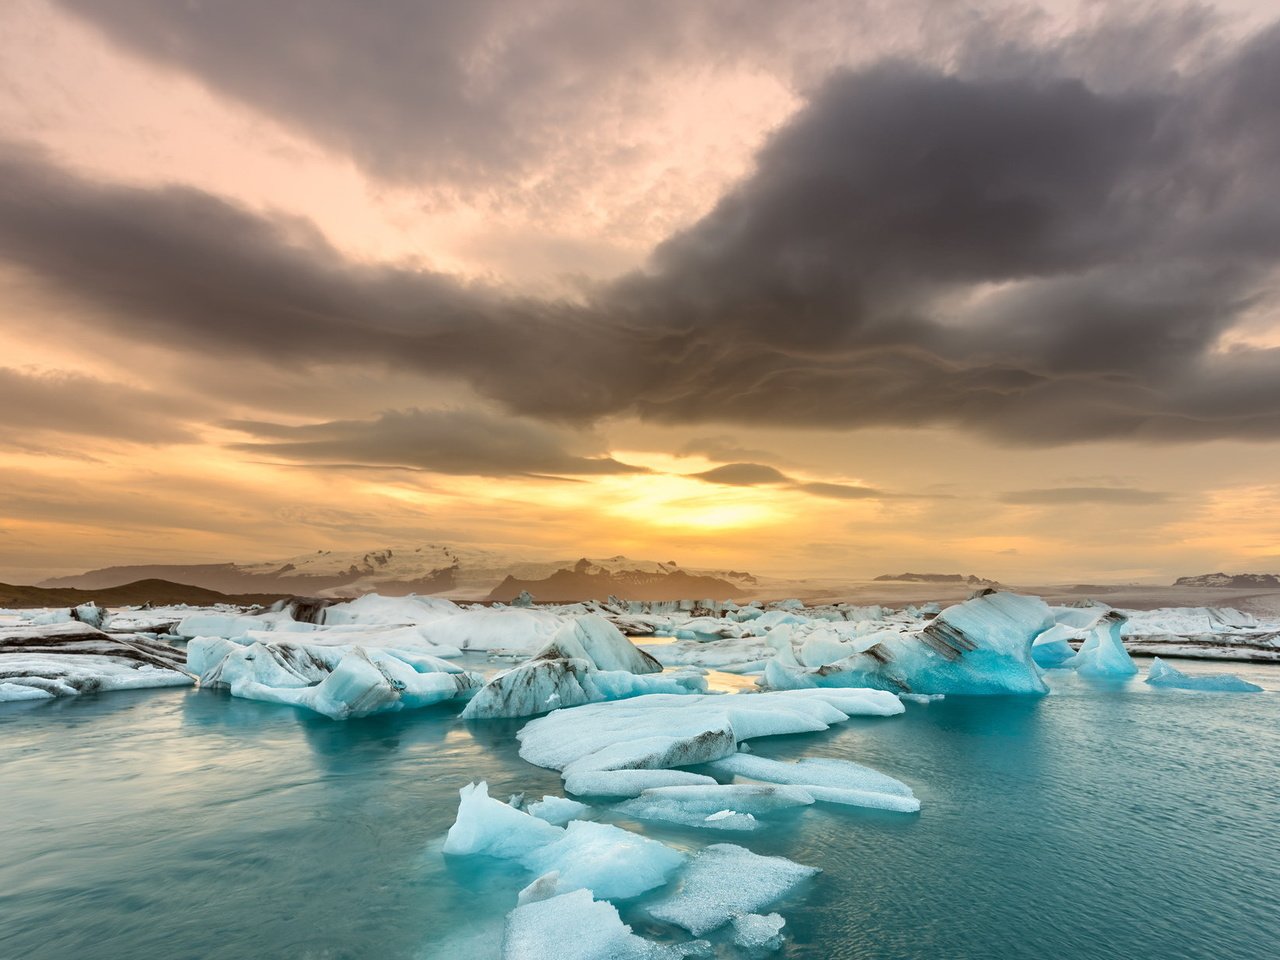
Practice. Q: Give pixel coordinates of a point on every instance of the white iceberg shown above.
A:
(658, 732)
(613, 862)
(756, 931)
(557, 810)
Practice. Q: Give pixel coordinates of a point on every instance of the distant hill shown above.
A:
(583, 581)
(437, 569)
(931, 578)
(1266, 581)
(157, 592)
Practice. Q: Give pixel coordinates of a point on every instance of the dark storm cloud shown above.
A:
(1071, 496)
(442, 441)
(743, 474)
(72, 404)
(1021, 255)
(756, 474)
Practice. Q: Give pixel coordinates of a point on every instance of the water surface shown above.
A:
(1106, 820)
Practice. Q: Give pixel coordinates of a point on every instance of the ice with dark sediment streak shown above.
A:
(71, 657)
(658, 732)
(340, 682)
(981, 646)
(1161, 674)
(587, 661)
(724, 881)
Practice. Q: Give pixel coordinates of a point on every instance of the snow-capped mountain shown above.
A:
(437, 569)
(1267, 581)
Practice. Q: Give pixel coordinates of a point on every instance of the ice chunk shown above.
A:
(489, 826)
(544, 888)
(66, 658)
(1103, 654)
(835, 781)
(338, 681)
(724, 881)
(612, 862)
(558, 810)
(550, 683)
(717, 807)
(574, 926)
(755, 931)
(661, 731)
(981, 646)
(596, 640)
(1161, 674)
(607, 859)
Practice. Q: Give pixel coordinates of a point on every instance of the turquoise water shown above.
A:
(1101, 821)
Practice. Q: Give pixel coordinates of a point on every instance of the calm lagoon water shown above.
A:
(1103, 821)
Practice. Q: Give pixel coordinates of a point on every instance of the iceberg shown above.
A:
(724, 881)
(340, 682)
(1161, 674)
(587, 661)
(576, 926)
(70, 657)
(981, 646)
(612, 862)
(830, 780)
(661, 731)
(1103, 654)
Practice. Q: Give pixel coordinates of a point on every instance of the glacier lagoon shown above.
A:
(1108, 819)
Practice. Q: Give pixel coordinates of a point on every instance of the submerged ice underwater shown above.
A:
(1111, 818)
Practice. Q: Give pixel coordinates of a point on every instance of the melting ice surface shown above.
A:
(177, 824)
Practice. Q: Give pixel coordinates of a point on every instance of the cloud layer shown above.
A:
(1035, 256)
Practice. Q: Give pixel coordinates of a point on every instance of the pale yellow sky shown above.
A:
(163, 480)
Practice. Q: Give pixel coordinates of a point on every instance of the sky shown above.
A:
(831, 288)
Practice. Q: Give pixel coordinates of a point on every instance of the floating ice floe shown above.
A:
(623, 747)
(1161, 674)
(64, 659)
(1103, 654)
(575, 926)
(714, 806)
(611, 862)
(557, 810)
(758, 932)
(587, 661)
(829, 780)
(338, 681)
(981, 646)
(724, 881)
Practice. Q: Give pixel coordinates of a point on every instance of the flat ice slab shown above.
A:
(1161, 674)
(724, 881)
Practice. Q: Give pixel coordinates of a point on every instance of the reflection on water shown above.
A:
(1101, 821)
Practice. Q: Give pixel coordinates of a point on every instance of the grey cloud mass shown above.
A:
(1007, 249)
(1073, 496)
(457, 441)
(77, 405)
(756, 474)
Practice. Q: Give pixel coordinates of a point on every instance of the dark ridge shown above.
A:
(567, 586)
(157, 592)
